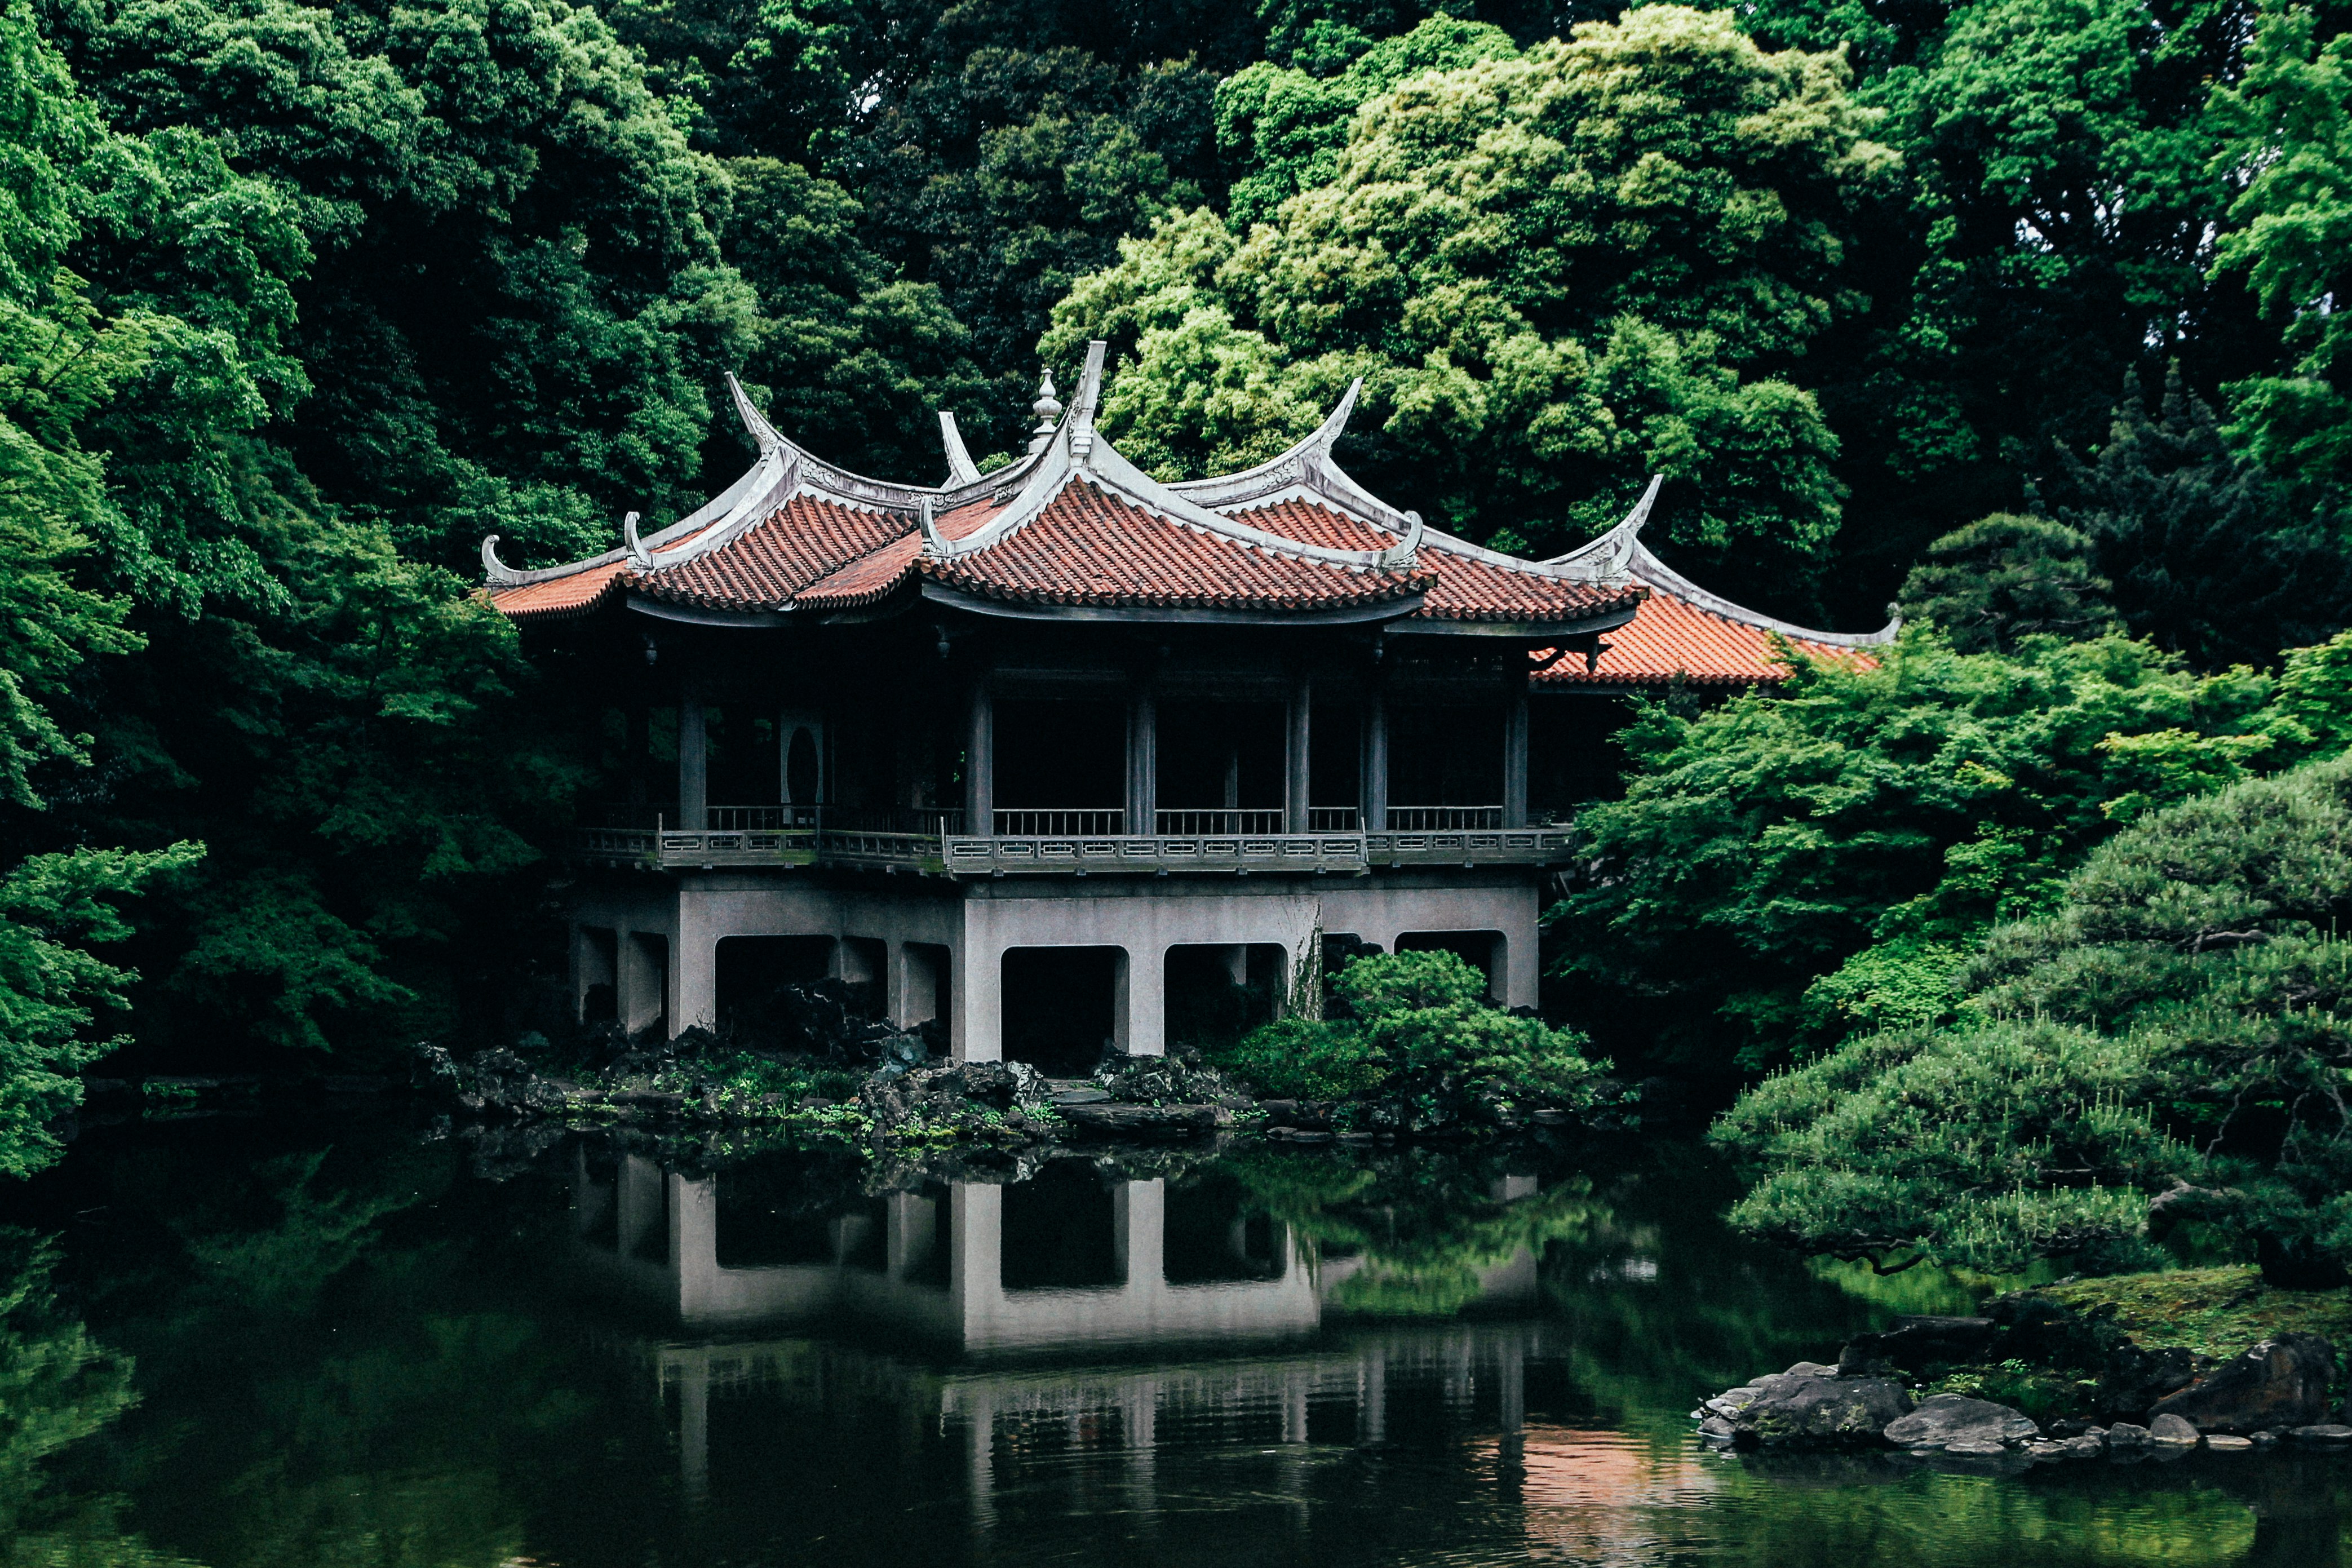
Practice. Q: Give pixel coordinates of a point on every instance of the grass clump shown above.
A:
(2213, 1312)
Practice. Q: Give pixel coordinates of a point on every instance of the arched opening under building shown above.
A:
(643, 983)
(1060, 1006)
(600, 971)
(752, 972)
(1217, 992)
(927, 981)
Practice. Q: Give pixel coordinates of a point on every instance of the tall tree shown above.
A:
(1559, 271)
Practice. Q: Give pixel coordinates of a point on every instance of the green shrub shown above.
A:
(1420, 1044)
(1301, 1058)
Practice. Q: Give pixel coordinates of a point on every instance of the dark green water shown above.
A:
(252, 1342)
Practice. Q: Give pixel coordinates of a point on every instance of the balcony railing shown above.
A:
(1215, 819)
(1443, 818)
(929, 840)
(1059, 821)
(932, 820)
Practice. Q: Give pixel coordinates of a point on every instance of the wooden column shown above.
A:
(1142, 757)
(979, 761)
(1376, 753)
(693, 756)
(1515, 750)
(1294, 756)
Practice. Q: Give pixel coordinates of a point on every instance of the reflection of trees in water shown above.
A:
(359, 1357)
(1423, 1224)
(58, 1386)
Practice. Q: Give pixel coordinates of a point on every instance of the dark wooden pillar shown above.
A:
(1376, 753)
(693, 755)
(979, 761)
(1515, 746)
(1296, 754)
(1142, 757)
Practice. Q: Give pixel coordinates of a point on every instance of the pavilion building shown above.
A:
(1036, 749)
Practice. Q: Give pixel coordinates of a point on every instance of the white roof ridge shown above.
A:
(1649, 569)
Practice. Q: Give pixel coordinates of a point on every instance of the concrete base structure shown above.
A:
(937, 945)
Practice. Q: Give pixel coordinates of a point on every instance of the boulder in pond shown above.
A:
(2128, 1437)
(1943, 1420)
(2281, 1382)
(1811, 1409)
(2171, 1435)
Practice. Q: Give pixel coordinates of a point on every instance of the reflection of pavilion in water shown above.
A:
(1064, 1266)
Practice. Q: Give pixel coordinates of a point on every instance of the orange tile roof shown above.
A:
(559, 597)
(1466, 589)
(1671, 638)
(1090, 547)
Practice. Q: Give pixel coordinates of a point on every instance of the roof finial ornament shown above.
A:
(639, 557)
(1405, 552)
(494, 569)
(961, 469)
(1047, 408)
(935, 544)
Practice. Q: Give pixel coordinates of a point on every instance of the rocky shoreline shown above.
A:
(1919, 1388)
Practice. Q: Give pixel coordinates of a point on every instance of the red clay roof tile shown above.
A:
(1090, 547)
(1671, 638)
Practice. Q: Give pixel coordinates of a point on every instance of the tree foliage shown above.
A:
(1414, 1039)
(1898, 806)
(1559, 271)
(2164, 1044)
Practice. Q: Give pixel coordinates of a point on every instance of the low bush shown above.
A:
(1419, 1046)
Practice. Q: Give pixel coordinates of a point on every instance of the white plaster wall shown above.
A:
(1144, 926)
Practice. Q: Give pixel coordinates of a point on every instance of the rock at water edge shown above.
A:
(2280, 1382)
(2172, 1432)
(1945, 1419)
(1797, 1408)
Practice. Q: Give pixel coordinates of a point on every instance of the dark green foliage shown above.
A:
(2005, 578)
(2207, 555)
(1764, 843)
(2168, 1045)
(1301, 1058)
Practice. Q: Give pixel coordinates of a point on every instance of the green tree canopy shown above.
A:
(2166, 1044)
(1764, 843)
(1559, 270)
(2005, 578)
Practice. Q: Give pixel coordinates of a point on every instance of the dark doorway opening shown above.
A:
(752, 969)
(1221, 755)
(1445, 756)
(1052, 755)
(1059, 1006)
(1061, 1231)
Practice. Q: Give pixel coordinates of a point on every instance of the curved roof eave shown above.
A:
(1657, 573)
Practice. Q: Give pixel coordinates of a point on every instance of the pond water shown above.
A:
(283, 1341)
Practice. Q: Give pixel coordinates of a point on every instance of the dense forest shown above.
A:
(2021, 311)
